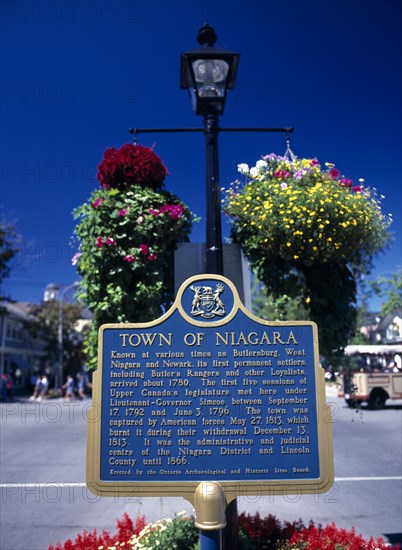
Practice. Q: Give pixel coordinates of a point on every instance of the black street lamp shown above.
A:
(208, 72)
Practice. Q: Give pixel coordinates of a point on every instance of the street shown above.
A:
(45, 500)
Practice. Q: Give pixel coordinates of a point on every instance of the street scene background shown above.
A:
(45, 500)
(75, 76)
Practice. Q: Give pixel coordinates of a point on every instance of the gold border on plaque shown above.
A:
(232, 489)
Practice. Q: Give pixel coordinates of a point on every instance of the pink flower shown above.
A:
(75, 258)
(144, 248)
(314, 162)
(110, 241)
(357, 189)
(151, 257)
(97, 203)
(282, 174)
(154, 212)
(129, 258)
(176, 211)
(123, 212)
(334, 173)
(346, 182)
(99, 242)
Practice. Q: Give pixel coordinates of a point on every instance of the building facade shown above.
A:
(21, 355)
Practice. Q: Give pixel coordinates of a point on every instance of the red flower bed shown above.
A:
(266, 533)
(93, 540)
(333, 538)
(131, 165)
(255, 533)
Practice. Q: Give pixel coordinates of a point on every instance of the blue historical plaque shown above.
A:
(209, 392)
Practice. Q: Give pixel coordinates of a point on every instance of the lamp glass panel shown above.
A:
(210, 77)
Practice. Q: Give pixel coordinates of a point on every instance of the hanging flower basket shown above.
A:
(293, 211)
(307, 232)
(127, 234)
(131, 165)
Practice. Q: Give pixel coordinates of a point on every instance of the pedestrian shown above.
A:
(36, 390)
(69, 387)
(4, 387)
(81, 386)
(9, 388)
(43, 387)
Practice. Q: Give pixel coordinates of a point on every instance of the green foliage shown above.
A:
(284, 308)
(127, 242)
(308, 233)
(390, 289)
(178, 533)
(8, 248)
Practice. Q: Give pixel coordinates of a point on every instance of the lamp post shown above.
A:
(60, 346)
(208, 72)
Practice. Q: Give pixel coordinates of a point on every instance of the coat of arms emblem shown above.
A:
(207, 302)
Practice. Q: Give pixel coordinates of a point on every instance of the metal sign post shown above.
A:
(210, 517)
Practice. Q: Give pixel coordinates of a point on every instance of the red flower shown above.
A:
(99, 242)
(154, 212)
(131, 165)
(334, 173)
(123, 212)
(357, 189)
(110, 241)
(144, 248)
(129, 258)
(174, 210)
(151, 257)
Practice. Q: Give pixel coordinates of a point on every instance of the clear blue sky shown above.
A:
(76, 75)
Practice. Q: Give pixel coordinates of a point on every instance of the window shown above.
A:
(14, 330)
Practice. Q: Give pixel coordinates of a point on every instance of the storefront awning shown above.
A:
(382, 349)
(20, 362)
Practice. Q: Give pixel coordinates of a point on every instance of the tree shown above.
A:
(389, 287)
(8, 248)
(46, 328)
(308, 233)
(283, 308)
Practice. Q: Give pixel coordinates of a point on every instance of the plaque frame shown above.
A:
(187, 489)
